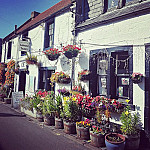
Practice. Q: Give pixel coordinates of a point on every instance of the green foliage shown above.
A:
(49, 104)
(70, 110)
(130, 122)
(59, 107)
(37, 103)
(31, 58)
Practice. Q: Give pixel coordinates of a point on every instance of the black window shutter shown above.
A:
(93, 76)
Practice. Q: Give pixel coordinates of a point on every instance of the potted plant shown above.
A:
(82, 129)
(60, 77)
(3, 92)
(49, 108)
(71, 51)
(84, 75)
(98, 131)
(97, 135)
(115, 141)
(52, 53)
(70, 115)
(136, 77)
(78, 89)
(59, 108)
(38, 106)
(31, 59)
(130, 127)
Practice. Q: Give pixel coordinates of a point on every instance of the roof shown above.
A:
(52, 10)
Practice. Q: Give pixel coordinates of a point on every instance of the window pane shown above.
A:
(112, 3)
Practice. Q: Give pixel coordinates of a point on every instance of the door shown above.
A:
(22, 81)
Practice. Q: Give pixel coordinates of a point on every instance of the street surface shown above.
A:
(20, 133)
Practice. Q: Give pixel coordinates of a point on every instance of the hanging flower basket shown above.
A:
(52, 54)
(71, 51)
(84, 75)
(136, 77)
(64, 80)
(31, 59)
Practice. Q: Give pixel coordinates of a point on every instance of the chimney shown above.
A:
(15, 29)
(34, 14)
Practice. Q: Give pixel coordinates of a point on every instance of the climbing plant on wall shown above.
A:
(10, 73)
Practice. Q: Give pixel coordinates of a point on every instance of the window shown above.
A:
(112, 3)
(110, 71)
(119, 74)
(24, 36)
(49, 35)
(44, 81)
(9, 50)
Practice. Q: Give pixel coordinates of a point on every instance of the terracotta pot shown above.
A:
(97, 140)
(83, 133)
(59, 123)
(69, 127)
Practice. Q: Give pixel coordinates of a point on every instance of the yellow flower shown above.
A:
(126, 112)
(127, 100)
(74, 98)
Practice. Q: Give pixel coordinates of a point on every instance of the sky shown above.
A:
(16, 12)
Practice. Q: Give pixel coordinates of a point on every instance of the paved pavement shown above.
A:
(18, 132)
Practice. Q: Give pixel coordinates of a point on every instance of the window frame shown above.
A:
(9, 50)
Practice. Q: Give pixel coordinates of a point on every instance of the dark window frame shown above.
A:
(47, 35)
(9, 50)
(93, 86)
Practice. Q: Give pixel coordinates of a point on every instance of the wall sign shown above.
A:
(125, 81)
(24, 45)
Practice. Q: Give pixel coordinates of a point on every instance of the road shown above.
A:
(19, 133)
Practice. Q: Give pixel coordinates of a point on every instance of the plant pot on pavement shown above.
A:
(39, 116)
(132, 142)
(70, 127)
(59, 123)
(83, 133)
(115, 141)
(97, 139)
(7, 100)
(49, 120)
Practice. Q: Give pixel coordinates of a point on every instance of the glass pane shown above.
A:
(112, 3)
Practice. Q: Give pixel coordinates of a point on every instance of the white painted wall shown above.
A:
(134, 31)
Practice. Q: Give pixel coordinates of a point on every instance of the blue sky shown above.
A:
(18, 11)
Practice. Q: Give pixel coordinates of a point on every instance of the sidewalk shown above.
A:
(58, 132)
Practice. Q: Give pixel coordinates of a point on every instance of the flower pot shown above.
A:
(69, 127)
(53, 57)
(85, 77)
(31, 62)
(59, 123)
(7, 100)
(136, 79)
(49, 120)
(97, 140)
(132, 142)
(83, 133)
(71, 54)
(115, 145)
(64, 80)
(39, 116)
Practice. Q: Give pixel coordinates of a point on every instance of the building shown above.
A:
(114, 35)
(51, 28)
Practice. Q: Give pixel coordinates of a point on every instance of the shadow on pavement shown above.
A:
(11, 115)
